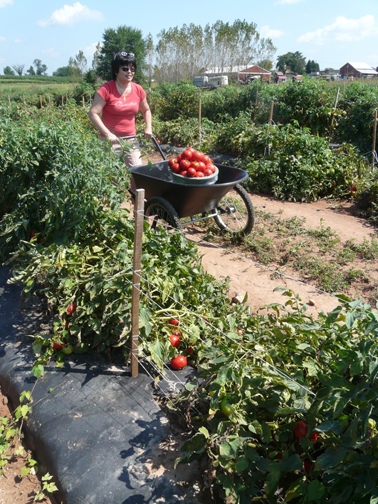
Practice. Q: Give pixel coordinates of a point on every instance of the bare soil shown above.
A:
(13, 488)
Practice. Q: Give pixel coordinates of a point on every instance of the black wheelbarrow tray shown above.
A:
(180, 204)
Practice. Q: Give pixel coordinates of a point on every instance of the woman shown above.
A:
(118, 101)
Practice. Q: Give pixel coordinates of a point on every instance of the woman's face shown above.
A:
(126, 72)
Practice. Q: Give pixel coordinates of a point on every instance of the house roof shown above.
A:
(255, 70)
(363, 68)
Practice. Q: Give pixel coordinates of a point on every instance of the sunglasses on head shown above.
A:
(125, 54)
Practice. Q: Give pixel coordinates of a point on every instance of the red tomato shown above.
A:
(172, 161)
(300, 429)
(184, 164)
(179, 157)
(189, 350)
(314, 437)
(187, 154)
(211, 167)
(307, 466)
(57, 346)
(173, 321)
(197, 156)
(71, 308)
(240, 331)
(199, 174)
(207, 172)
(206, 159)
(184, 173)
(175, 340)
(179, 362)
(202, 167)
(191, 172)
(175, 167)
(194, 164)
(32, 234)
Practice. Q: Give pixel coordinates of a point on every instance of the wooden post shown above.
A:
(199, 121)
(83, 102)
(374, 138)
(271, 112)
(9, 100)
(334, 109)
(40, 101)
(137, 261)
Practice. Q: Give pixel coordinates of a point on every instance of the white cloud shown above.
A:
(51, 52)
(90, 50)
(17, 41)
(284, 2)
(343, 30)
(70, 15)
(2, 39)
(3, 3)
(268, 32)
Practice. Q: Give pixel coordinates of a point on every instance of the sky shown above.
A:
(330, 32)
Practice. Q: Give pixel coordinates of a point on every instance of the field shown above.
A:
(286, 405)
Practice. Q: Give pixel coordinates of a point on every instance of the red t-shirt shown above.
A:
(118, 113)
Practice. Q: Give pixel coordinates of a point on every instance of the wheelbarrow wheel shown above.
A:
(235, 212)
(161, 214)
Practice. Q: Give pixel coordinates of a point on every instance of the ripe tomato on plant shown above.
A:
(300, 430)
(175, 340)
(179, 362)
(173, 321)
(314, 436)
(189, 350)
(57, 346)
(71, 308)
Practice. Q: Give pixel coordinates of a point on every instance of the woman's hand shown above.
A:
(147, 133)
(112, 137)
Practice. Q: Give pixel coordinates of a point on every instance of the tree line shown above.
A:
(179, 53)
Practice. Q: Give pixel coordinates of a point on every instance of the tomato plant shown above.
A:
(67, 349)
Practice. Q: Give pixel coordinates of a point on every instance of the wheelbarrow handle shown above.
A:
(153, 139)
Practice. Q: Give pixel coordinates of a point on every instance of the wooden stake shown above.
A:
(271, 112)
(137, 261)
(40, 101)
(374, 138)
(9, 100)
(334, 108)
(199, 120)
(83, 102)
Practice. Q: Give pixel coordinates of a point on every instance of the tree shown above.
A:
(19, 69)
(8, 71)
(186, 52)
(127, 39)
(312, 66)
(293, 61)
(150, 57)
(40, 69)
(267, 64)
(65, 71)
(31, 70)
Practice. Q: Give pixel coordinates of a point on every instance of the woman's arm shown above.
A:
(145, 109)
(94, 115)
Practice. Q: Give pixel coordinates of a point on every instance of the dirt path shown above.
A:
(258, 281)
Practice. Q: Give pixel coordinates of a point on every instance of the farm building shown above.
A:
(279, 77)
(358, 70)
(254, 72)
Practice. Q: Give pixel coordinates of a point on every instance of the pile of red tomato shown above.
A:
(192, 163)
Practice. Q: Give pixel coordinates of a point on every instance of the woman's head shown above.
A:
(121, 59)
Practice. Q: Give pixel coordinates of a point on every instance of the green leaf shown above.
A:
(315, 490)
(331, 457)
(241, 464)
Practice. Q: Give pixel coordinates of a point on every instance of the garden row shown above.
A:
(285, 407)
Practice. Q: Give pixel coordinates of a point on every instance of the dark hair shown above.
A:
(122, 58)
